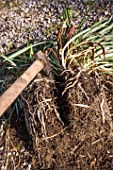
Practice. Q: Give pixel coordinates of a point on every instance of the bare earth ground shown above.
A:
(69, 121)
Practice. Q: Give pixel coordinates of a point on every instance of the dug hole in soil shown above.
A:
(69, 122)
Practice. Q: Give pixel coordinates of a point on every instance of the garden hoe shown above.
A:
(7, 98)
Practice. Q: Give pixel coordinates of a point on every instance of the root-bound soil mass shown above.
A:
(68, 124)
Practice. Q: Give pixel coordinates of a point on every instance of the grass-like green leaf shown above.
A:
(83, 21)
(8, 59)
(23, 50)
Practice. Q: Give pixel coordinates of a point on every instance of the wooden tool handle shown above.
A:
(19, 85)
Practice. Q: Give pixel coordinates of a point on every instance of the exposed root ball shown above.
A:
(72, 126)
(44, 119)
(90, 117)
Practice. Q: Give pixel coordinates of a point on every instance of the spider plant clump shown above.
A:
(91, 49)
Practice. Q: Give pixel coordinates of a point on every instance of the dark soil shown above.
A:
(69, 124)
